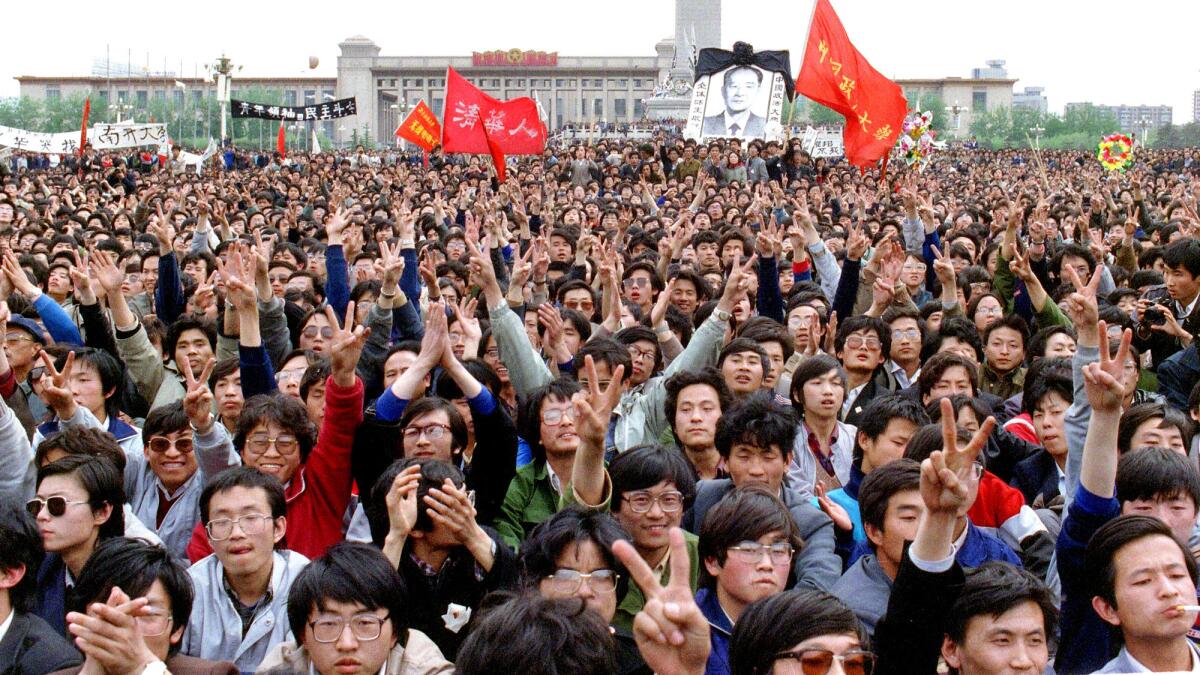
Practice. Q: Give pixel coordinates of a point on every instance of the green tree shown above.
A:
(934, 104)
(819, 114)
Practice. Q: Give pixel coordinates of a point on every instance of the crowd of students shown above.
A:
(643, 407)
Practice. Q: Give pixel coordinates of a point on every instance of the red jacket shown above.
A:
(319, 491)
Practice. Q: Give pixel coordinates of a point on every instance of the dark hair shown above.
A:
(1012, 322)
(244, 477)
(759, 421)
(608, 351)
(760, 329)
(731, 71)
(1099, 562)
(20, 546)
(857, 323)
(573, 525)
(352, 573)
(185, 323)
(879, 486)
(1074, 250)
(1047, 381)
(937, 365)
(1185, 253)
(993, 589)
(953, 327)
(223, 369)
(628, 336)
(77, 440)
(1156, 473)
(110, 371)
(929, 438)
(1139, 414)
(434, 474)
(743, 514)
(645, 466)
(1036, 348)
(445, 386)
(533, 635)
(285, 411)
(881, 410)
(780, 622)
(134, 565)
(429, 404)
(740, 345)
(683, 379)
(102, 482)
(315, 374)
(164, 420)
(810, 369)
(529, 416)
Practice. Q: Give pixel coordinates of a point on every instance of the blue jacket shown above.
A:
(51, 601)
(978, 548)
(721, 631)
(1084, 644)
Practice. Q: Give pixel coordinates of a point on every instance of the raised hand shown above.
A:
(738, 283)
(451, 507)
(943, 269)
(110, 635)
(81, 280)
(393, 265)
(857, 243)
(594, 406)
(401, 501)
(671, 632)
(658, 313)
(56, 389)
(1082, 306)
(435, 340)
(238, 287)
(347, 345)
(163, 231)
(105, 269)
(198, 400)
(946, 474)
(335, 229)
(1102, 380)
(17, 277)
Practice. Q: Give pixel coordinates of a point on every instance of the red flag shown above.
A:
(281, 143)
(421, 127)
(87, 108)
(476, 123)
(837, 76)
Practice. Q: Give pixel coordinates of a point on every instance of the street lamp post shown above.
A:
(221, 70)
(956, 110)
(1037, 132)
(122, 107)
(1144, 123)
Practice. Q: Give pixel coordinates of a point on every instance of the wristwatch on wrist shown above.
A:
(722, 315)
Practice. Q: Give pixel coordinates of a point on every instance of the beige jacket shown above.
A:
(419, 657)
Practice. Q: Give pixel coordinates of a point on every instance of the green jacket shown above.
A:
(530, 500)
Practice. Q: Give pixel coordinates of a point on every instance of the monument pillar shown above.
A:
(697, 25)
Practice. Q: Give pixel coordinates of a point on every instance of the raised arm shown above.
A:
(593, 409)
(394, 400)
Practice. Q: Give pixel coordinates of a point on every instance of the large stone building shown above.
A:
(1132, 117)
(963, 98)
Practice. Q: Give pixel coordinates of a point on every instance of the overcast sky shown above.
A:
(1101, 51)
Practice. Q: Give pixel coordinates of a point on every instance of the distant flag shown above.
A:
(316, 144)
(281, 143)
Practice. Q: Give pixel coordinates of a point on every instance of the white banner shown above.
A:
(101, 136)
(823, 142)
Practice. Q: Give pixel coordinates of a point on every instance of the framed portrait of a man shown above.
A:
(741, 101)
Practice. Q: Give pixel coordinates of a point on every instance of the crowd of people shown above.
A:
(644, 407)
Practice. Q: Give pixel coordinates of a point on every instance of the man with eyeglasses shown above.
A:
(23, 339)
(183, 445)
(747, 543)
(241, 608)
(122, 635)
(348, 613)
(908, 334)
(860, 344)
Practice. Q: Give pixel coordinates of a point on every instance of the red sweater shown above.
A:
(319, 491)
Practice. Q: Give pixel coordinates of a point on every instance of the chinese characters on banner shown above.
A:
(421, 128)
(475, 123)
(837, 76)
(824, 142)
(329, 110)
(101, 136)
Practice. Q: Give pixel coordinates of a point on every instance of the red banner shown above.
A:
(475, 123)
(281, 141)
(514, 57)
(421, 128)
(837, 76)
(87, 108)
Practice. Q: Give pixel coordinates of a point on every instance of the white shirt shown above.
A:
(851, 397)
(901, 374)
(1187, 311)
(1139, 668)
(7, 622)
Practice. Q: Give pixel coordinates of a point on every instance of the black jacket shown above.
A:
(908, 639)
(456, 582)
(1036, 476)
(31, 647)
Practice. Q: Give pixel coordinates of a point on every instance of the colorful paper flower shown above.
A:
(1115, 152)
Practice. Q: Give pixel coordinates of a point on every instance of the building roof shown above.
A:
(955, 80)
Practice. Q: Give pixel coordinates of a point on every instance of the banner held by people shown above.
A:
(836, 75)
(101, 136)
(330, 110)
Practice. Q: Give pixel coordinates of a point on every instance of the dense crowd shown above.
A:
(642, 407)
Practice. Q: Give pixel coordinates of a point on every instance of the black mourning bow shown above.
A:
(712, 60)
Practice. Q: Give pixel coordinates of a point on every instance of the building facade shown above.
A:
(1196, 106)
(1132, 117)
(1033, 98)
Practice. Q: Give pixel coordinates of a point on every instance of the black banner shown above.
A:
(330, 110)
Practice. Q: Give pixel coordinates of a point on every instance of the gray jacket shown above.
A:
(865, 589)
(817, 565)
(17, 472)
(214, 453)
(640, 412)
(215, 629)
